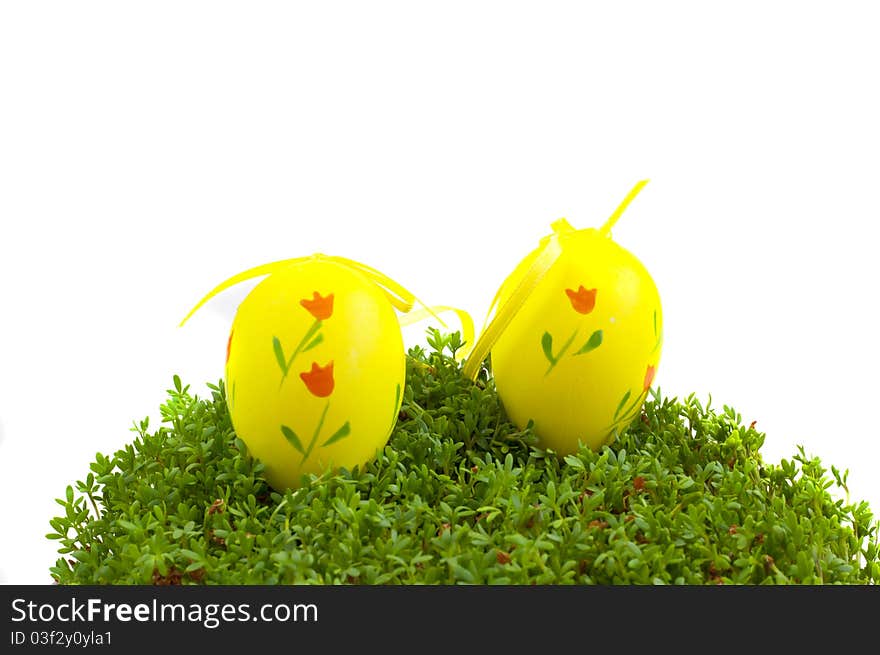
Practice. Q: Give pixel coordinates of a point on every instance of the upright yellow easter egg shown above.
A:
(315, 366)
(579, 339)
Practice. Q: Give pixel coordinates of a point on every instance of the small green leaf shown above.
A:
(314, 342)
(620, 406)
(279, 355)
(341, 433)
(593, 342)
(290, 435)
(547, 345)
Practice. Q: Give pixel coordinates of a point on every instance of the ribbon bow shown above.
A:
(397, 295)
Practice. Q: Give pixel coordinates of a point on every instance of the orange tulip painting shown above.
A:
(319, 380)
(319, 307)
(320, 383)
(649, 377)
(583, 300)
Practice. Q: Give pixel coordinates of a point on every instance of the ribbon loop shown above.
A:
(401, 298)
(397, 295)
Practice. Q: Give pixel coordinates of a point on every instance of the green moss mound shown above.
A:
(460, 495)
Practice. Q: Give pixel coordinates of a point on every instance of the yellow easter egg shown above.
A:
(315, 365)
(315, 370)
(580, 339)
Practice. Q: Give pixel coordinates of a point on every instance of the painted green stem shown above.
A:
(562, 351)
(301, 347)
(317, 432)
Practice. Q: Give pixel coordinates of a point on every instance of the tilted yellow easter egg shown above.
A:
(315, 367)
(580, 339)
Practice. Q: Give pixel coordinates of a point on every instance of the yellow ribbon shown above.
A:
(549, 251)
(397, 295)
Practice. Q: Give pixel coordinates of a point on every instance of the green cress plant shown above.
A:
(459, 495)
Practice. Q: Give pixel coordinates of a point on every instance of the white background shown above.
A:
(150, 150)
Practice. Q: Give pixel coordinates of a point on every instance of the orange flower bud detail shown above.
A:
(229, 345)
(649, 377)
(583, 300)
(319, 307)
(319, 380)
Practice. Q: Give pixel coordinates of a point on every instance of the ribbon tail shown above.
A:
(404, 300)
(559, 227)
(605, 230)
(494, 303)
(505, 314)
(263, 269)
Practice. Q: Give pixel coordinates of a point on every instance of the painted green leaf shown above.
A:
(622, 403)
(655, 322)
(659, 341)
(396, 410)
(547, 345)
(593, 342)
(341, 433)
(279, 354)
(311, 331)
(314, 342)
(290, 435)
